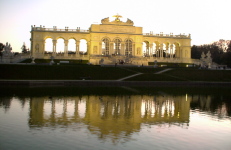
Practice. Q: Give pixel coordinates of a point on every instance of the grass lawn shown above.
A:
(61, 72)
(55, 60)
(195, 74)
(170, 64)
(185, 74)
(76, 71)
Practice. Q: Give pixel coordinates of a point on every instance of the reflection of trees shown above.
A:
(5, 102)
(212, 104)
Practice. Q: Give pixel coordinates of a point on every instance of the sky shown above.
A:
(205, 20)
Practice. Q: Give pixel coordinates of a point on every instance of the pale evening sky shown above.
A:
(205, 20)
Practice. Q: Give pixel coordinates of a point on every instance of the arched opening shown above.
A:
(83, 47)
(60, 46)
(117, 46)
(166, 49)
(48, 45)
(154, 50)
(71, 46)
(146, 51)
(157, 49)
(105, 47)
(128, 47)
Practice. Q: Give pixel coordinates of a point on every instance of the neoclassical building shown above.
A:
(114, 41)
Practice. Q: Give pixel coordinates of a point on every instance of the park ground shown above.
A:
(76, 71)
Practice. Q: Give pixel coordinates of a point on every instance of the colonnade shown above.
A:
(159, 50)
(54, 47)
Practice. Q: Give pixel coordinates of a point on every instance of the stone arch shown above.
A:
(105, 37)
(48, 36)
(157, 48)
(72, 38)
(146, 47)
(84, 38)
(166, 49)
(128, 39)
(72, 42)
(117, 38)
(60, 37)
(83, 47)
(48, 44)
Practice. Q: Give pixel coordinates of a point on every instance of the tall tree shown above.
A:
(1, 48)
(24, 49)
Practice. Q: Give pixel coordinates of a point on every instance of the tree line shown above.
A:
(218, 55)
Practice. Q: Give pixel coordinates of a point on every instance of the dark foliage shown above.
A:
(217, 54)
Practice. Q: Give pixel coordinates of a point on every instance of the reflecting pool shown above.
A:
(79, 118)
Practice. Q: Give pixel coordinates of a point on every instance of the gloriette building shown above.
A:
(114, 41)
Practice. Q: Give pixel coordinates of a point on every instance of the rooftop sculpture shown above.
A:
(7, 50)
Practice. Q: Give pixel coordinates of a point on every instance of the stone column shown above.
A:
(161, 50)
(54, 46)
(133, 49)
(77, 47)
(177, 51)
(65, 47)
(157, 50)
(167, 50)
(43, 46)
(151, 49)
(31, 46)
(111, 48)
(171, 51)
(88, 48)
(122, 49)
(100, 47)
(180, 49)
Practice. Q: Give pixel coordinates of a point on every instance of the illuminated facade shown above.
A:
(114, 41)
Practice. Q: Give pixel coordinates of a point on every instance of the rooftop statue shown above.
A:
(7, 50)
(117, 21)
(117, 17)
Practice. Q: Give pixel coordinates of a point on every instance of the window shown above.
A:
(128, 47)
(105, 47)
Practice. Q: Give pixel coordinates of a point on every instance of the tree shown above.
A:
(1, 48)
(24, 49)
(216, 52)
(229, 47)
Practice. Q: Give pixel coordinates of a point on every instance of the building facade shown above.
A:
(114, 41)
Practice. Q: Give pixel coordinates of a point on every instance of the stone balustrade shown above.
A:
(167, 35)
(55, 29)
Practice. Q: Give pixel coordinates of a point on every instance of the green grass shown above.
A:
(71, 62)
(57, 72)
(194, 74)
(75, 71)
(170, 64)
(185, 74)
(153, 77)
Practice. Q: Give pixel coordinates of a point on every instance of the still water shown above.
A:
(158, 119)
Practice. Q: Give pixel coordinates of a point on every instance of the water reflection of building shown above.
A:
(113, 116)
